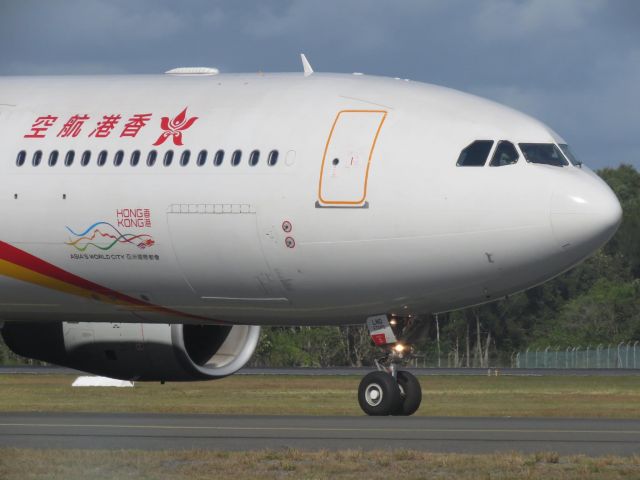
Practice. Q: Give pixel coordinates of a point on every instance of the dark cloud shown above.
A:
(574, 64)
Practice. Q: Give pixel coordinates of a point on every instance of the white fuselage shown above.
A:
(395, 226)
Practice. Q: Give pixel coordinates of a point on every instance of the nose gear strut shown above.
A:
(389, 390)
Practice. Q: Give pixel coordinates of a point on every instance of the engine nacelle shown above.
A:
(137, 351)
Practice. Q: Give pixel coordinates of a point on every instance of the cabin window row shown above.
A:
(150, 158)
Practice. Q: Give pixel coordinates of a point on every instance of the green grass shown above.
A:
(26, 464)
(610, 397)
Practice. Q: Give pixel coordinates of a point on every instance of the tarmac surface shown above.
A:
(222, 432)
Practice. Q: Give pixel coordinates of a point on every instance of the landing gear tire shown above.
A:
(379, 394)
(410, 393)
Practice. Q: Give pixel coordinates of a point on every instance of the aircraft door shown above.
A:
(347, 158)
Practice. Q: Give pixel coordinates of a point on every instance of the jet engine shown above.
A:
(137, 351)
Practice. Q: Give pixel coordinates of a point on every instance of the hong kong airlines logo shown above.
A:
(174, 128)
(108, 125)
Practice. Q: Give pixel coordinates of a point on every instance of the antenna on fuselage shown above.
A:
(306, 65)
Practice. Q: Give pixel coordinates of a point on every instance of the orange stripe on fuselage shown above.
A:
(12, 270)
(20, 265)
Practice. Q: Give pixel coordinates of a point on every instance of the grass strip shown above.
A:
(27, 464)
(582, 397)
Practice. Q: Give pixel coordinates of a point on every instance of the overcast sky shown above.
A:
(574, 64)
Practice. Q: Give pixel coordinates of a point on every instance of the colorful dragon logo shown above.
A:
(105, 236)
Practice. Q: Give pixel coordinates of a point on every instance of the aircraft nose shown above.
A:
(584, 215)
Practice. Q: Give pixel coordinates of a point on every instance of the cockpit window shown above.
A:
(543, 153)
(505, 154)
(475, 155)
(569, 154)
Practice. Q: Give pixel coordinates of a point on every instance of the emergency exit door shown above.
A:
(347, 158)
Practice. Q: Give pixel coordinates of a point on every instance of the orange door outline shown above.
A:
(366, 175)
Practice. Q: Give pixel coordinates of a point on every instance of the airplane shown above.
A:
(153, 223)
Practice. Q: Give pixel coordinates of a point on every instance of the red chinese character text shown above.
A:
(147, 217)
(134, 124)
(73, 126)
(41, 125)
(104, 127)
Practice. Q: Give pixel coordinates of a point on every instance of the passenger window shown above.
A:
(544, 154)
(135, 158)
(53, 158)
(202, 158)
(236, 157)
(505, 154)
(273, 158)
(102, 158)
(184, 158)
(254, 158)
(37, 157)
(168, 158)
(118, 158)
(151, 158)
(68, 158)
(217, 160)
(22, 156)
(86, 157)
(475, 155)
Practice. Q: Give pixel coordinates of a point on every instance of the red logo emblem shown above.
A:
(174, 128)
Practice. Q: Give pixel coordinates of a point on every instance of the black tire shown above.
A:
(410, 393)
(379, 394)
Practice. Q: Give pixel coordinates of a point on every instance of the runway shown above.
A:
(222, 432)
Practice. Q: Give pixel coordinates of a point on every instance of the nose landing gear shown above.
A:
(389, 391)
(410, 392)
(382, 394)
(379, 394)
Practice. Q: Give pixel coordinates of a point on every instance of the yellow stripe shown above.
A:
(26, 275)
